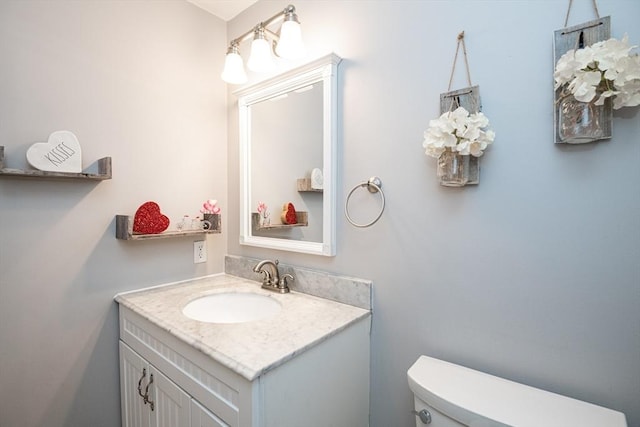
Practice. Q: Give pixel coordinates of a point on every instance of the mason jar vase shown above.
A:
(579, 122)
(453, 169)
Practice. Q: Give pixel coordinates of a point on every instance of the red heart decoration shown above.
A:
(289, 214)
(149, 220)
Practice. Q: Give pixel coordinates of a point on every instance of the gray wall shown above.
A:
(533, 275)
(137, 81)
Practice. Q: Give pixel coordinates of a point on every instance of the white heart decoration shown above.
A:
(61, 153)
(316, 179)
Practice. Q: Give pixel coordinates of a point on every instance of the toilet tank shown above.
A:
(461, 396)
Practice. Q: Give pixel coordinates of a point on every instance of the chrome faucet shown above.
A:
(271, 276)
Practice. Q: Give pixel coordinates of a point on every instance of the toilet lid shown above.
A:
(475, 398)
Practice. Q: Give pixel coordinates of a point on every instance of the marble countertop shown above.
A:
(251, 348)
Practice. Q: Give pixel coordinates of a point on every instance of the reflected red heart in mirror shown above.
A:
(149, 219)
(289, 214)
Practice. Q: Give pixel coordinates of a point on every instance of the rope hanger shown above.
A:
(455, 97)
(595, 8)
(455, 59)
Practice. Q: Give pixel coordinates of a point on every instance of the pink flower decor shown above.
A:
(262, 208)
(209, 207)
(264, 214)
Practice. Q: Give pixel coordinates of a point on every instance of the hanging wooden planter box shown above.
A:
(450, 164)
(578, 122)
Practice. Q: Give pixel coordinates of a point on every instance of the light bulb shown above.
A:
(290, 45)
(261, 58)
(233, 67)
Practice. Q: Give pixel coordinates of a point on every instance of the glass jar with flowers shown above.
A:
(263, 213)
(587, 78)
(452, 138)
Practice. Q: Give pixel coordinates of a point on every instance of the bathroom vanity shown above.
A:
(307, 364)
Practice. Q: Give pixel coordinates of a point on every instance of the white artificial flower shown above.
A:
(630, 97)
(458, 131)
(610, 51)
(584, 57)
(476, 148)
(490, 136)
(626, 69)
(604, 95)
(471, 133)
(479, 119)
(565, 68)
(605, 69)
(584, 85)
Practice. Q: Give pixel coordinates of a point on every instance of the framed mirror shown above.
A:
(288, 142)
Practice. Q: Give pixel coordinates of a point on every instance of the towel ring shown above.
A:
(374, 185)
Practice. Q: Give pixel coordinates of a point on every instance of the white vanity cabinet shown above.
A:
(327, 384)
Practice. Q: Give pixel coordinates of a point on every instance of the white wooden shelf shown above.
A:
(124, 230)
(301, 217)
(104, 171)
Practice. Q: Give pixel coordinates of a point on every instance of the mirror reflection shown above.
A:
(287, 159)
(286, 145)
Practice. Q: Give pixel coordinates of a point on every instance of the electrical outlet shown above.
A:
(199, 252)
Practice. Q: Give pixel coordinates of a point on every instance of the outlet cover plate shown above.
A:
(199, 252)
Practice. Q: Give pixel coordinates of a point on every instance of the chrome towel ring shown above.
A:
(374, 185)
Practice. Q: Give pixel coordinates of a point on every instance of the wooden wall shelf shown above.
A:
(302, 217)
(124, 230)
(104, 171)
(304, 186)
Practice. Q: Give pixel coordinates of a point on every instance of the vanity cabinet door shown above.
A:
(171, 405)
(134, 371)
(201, 417)
(167, 405)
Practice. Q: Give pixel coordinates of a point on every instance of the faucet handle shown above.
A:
(284, 282)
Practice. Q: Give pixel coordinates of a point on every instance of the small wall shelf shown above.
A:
(302, 217)
(124, 230)
(304, 186)
(104, 171)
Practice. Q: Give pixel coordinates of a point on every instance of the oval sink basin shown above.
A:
(231, 307)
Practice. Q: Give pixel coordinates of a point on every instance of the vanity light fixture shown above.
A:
(288, 45)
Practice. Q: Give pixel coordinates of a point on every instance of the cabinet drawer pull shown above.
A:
(146, 393)
(144, 374)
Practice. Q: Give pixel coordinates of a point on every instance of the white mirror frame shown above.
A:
(321, 70)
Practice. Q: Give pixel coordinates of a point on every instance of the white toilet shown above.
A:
(448, 395)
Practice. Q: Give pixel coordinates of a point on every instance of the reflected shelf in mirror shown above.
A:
(301, 218)
(304, 186)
